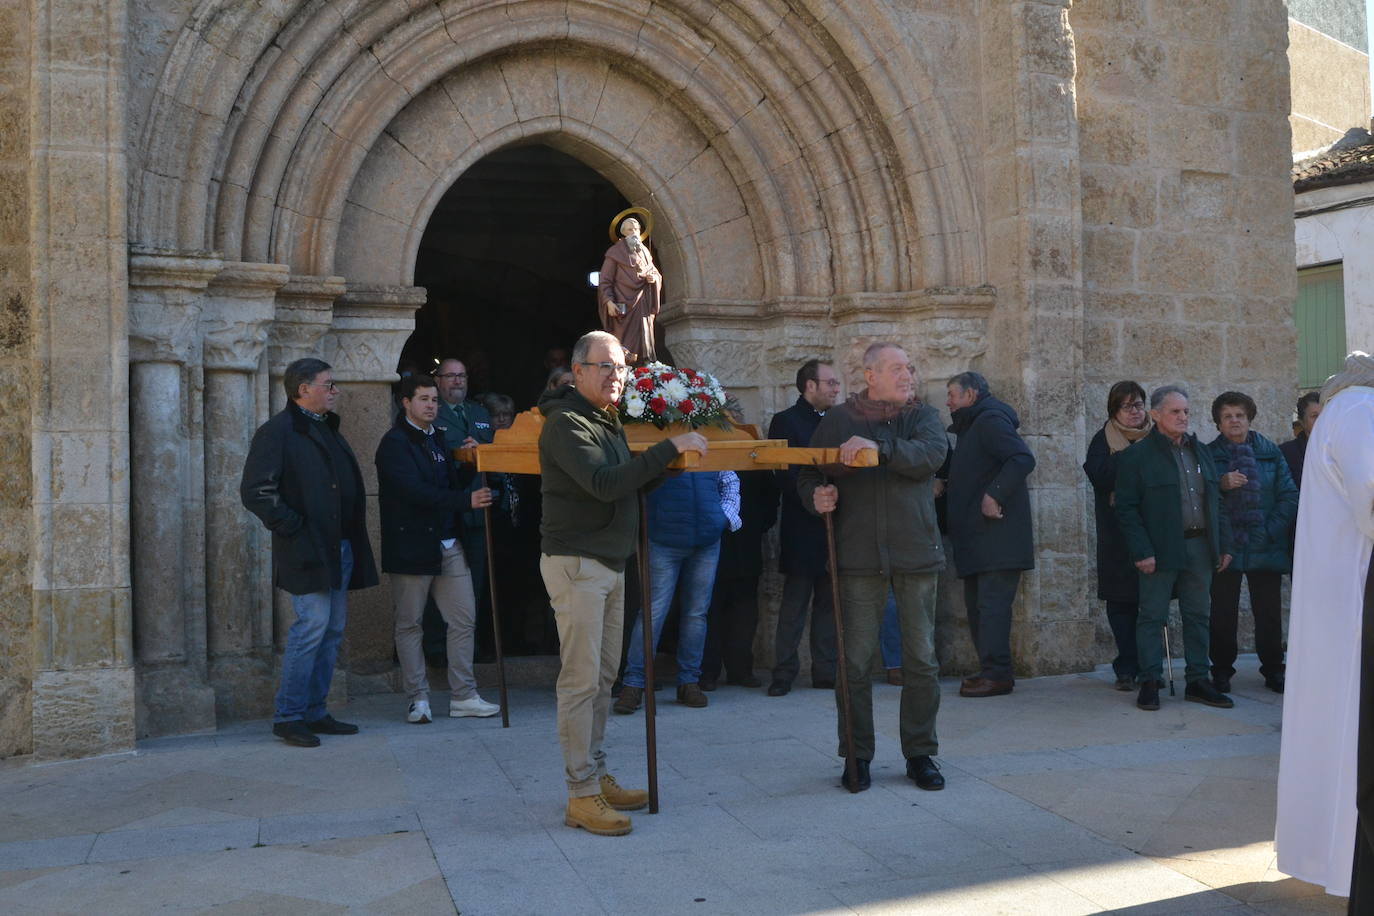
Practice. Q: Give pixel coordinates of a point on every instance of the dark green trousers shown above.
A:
(864, 598)
(1194, 586)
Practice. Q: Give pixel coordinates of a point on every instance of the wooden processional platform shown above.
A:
(738, 448)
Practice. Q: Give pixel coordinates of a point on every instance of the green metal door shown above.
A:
(1320, 318)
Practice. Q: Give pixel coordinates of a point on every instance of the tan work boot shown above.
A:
(620, 798)
(593, 815)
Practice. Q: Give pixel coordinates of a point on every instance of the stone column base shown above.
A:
(245, 685)
(172, 701)
(83, 712)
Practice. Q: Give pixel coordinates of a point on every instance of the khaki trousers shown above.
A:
(452, 591)
(588, 601)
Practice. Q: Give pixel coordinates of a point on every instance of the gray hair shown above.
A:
(584, 344)
(871, 354)
(970, 381)
(1159, 394)
(302, 372)
(1358, 370)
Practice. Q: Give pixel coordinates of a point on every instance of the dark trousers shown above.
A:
(1121, 618)
(730, 625)
(1362, 874)
(1266, 603)
(1192, 585)
(864, 599)
(988, 598)
(800, 592)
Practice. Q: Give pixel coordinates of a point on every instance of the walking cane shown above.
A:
(841, 668)
(495, 613)
(1169, 660)
(647, 625)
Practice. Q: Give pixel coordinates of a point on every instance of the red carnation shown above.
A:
(703, 397)
(645, 384)
(658, 405)
(667, 376)
(687, 406)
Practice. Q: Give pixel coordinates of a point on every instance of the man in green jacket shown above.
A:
(1168, 503)
(886, 537)
(591, 518)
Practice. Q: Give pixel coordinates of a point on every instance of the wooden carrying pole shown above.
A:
(646, 617)
(495, 613)
(842, 666)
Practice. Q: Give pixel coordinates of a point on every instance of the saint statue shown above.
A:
(630, 290)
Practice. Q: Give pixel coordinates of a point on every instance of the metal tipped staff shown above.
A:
(841, 668)
(495, 612)
(647, 626)
(1169, 659)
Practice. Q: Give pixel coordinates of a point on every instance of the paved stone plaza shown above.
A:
(1062, 799)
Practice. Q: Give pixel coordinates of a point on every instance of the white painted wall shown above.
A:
(1337, 224)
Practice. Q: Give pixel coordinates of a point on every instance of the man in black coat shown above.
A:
(806, 579)
(734, 612)
(421, 493)
(302, 481)
(988, 505)
(1294, 451)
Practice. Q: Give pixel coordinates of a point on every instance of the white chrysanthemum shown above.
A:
(634, 404)
(674, 391)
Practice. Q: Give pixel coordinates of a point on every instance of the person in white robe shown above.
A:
(1320, 767)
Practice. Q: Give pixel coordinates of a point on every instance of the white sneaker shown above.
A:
(475, 706)
(419, 713)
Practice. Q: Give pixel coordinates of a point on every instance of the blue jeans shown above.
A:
(312, 646)
(890, 635)
(694, 569)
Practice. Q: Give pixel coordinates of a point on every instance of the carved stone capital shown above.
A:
(240, 305)
(166, 296)
(304, 309)
(371, 325)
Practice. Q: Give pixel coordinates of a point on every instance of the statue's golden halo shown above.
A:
(646, 220)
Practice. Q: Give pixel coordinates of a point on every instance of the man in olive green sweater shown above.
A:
(886, 537)
(591, 516)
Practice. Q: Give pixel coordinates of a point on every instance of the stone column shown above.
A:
(371, 325)
(239, 308)
(304, 310)
(166, 293)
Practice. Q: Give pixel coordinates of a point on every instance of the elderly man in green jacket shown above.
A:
(1168, 503)
(886, 537)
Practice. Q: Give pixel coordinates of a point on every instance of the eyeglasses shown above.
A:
(452, 375)
(1133, 405)
(607, 368)
(332, 386)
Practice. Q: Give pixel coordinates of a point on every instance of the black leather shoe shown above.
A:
(1203, 692)
(823, 684)
(331, 726)
(748, 680)
(295, 733)
(1274, 682)
(1222, 684)
(861, 772)
(925, 772)
(1125, 682)
(707, 684)
(779, 689)
(1148, 698)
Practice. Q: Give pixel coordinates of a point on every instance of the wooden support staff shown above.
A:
(495, 613)
(842, 668)
(647, 625)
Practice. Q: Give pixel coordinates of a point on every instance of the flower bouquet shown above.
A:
(665, 396)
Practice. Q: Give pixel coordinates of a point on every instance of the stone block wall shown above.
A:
(1186, 205)
(16, 479)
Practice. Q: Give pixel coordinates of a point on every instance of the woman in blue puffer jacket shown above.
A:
(1261, 501)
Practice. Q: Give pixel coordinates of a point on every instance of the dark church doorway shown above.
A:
(505, 262)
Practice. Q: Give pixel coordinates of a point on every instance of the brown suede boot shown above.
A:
(593, 815)
(620, 798)
(628, 701)
(691, 695)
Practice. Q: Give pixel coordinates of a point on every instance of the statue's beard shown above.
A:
(638, 253)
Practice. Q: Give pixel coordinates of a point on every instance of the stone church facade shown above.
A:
(193, 193)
